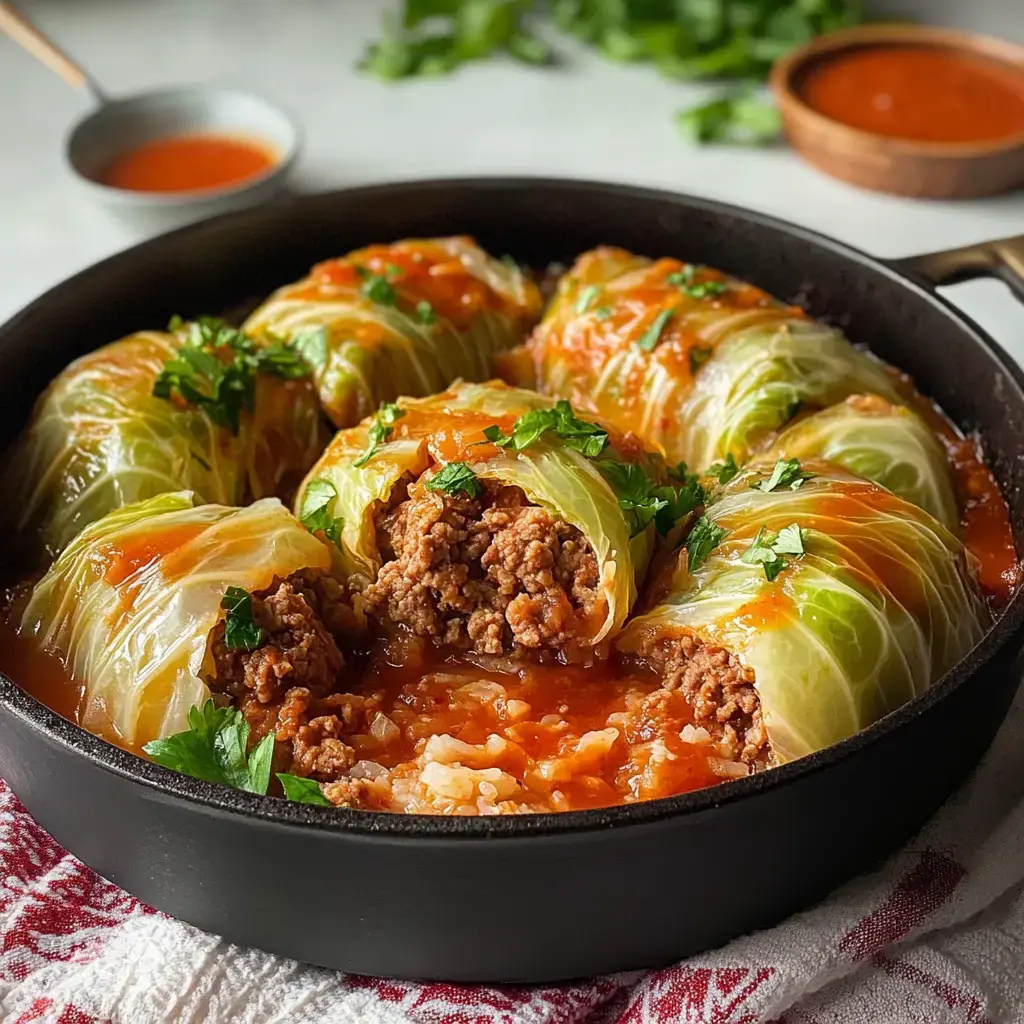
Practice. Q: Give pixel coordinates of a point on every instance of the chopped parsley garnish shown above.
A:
(510, 262)
(314, 514)
(698, 357)
(683, 280)
(724, 471)
(240, 630)
(377, 288)
(215, 369)
(638, 496)
(603, 312)
(392, 272)
(702, 540)
(312, 345)
(588, 439)
(302, 791)
(381, 429)
(644, 501)
(425, 312)
(586, 298)
(650, 338)
(214, 748)
(787, 473)
(706, 290)
(456, 478)
(770, 549)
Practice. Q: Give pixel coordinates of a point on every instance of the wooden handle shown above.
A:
(26, 35)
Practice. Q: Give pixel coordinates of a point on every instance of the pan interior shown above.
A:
(231, 262)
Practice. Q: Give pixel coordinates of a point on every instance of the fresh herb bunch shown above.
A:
(683, 39)
(216, 367)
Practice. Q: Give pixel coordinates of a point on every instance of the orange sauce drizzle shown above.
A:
(419, 271)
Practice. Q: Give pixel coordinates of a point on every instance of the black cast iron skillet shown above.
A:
(543, 897)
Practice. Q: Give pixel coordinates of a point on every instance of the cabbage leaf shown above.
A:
(697, 363)
(886, 443)
(99, 439)
(880, 605)
(131, 601)
(402, 319)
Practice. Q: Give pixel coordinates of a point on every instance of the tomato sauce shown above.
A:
(921, 93)
(985, 527)
(418, 271)
(540, 712)
(189, 163)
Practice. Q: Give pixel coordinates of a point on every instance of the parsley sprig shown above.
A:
(645, 501)
(382, 427)
(214, 748)
(456, 478)
(770, 549)
(241, 633)
(702, 540)
(588, 439)
(684, 281)
(302, 791)
(215, 369)
(786, 473)
(723, 472)
(314, 511)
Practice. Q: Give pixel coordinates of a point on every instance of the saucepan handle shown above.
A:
(1003, 258)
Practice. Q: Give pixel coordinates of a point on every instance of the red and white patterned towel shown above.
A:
(936, 936)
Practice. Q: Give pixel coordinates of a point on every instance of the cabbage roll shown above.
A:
(133, 603)
(883, 442)
(697, 363)
(225, 424)
(401, 319)
(798, 615)
(489, 518)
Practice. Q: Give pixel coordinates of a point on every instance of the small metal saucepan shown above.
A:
(117, 125)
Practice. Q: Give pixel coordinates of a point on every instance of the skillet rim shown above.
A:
(1006, 634)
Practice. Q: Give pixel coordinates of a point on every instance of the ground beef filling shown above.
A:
(719, 689)
(287, 685)
(482, 573)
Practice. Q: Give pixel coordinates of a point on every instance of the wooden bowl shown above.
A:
(938, 170)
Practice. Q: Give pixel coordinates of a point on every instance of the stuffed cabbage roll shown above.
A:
(796, 617)
(698, 363)
(401, 319)
(488, 517)
(158, 602)
(195, 409)
(883, 442)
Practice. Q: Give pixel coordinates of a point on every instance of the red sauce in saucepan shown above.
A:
(922, 93)
(189, 163)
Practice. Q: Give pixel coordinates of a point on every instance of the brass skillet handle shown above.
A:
(1003, 258)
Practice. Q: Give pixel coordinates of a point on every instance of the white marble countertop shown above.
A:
(587, 119)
